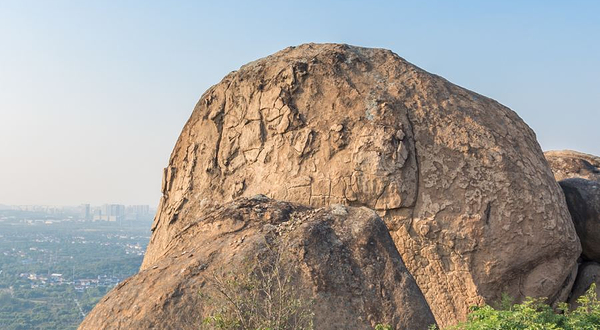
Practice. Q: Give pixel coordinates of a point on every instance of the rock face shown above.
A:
(583, 201)
(579, 177)
(573, 164)
(458, 178)
(589, 273)
(342, 257)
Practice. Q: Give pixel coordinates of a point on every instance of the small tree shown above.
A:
(260, 296)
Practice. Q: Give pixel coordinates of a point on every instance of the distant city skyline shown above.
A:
(74, 205)
(93, 95)
(118, 213)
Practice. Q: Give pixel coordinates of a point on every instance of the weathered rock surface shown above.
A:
(589, 273)
(583, 201)
(573, 164)
(579, 177)
(344, 258)
(459, 179)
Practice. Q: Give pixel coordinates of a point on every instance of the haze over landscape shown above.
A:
(93, 95)
(345, 165)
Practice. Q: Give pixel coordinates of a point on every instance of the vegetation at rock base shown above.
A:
(534, 314)
(264, 299)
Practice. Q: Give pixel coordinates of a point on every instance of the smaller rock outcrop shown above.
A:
(341, 258)
(579, 177)
(583, 201)
(567, 164)
(578, 174)
(589, 273)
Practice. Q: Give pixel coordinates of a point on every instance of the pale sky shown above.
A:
(93, 94)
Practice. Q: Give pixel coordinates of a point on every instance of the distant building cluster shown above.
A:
(115, 212)
(41, 281)
(48, 209)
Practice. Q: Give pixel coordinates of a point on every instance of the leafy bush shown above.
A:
(534, 314)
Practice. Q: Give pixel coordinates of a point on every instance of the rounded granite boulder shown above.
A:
(459, 179)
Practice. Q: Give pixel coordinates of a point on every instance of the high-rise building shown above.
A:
(85, 212)
(110, 212)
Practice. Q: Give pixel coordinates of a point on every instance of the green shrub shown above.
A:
(534, 314)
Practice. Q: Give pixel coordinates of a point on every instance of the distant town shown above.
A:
(41, 281)
(85, 212)
(56, 262)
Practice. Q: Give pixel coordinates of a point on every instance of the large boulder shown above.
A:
(340, 258)
(459, 179)
(583, 201)
(573, 164)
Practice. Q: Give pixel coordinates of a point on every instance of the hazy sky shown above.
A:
(93, 94)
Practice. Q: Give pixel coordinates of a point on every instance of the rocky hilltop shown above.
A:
(460, 181)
